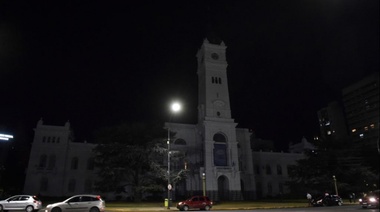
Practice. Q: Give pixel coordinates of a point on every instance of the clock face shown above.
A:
(214, 56)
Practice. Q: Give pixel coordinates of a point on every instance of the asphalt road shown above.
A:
(343, 208)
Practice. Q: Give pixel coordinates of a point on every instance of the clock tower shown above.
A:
(216, 128)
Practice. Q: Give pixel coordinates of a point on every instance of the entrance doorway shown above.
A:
(223, 188)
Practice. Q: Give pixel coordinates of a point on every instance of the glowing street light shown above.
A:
(175, 107)
(204, 183)
(5, 137)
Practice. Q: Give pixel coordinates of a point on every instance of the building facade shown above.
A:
(58, 166)
(219, 156)
(332, 122)
(361, 104)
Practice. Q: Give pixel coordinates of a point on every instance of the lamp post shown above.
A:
(204, 183)
(336, 188)
(175, 107)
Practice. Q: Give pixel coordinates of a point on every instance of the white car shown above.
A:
(77, 203)
(21, 202)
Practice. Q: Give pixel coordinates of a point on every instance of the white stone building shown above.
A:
(213, 146)
(57, 165)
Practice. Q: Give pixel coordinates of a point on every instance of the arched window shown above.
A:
(51, 162)
(218, 137)
(279, 170)
(88, 186)
(257, 169)
(71, 187)
(268, 170)
(220, 150)
(180, 141)
(281, 188)
(269, 189)
(90, 164)
(44, 184)
(43, 161)
(74, 163)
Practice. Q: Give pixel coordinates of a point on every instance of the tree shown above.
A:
(130, 155)
(331, 158)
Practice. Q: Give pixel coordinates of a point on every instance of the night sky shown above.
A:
(98, 63)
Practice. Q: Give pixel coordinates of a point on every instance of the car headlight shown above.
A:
(360, 200)
(372, 199)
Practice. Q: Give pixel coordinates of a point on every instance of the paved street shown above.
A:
(343, 208)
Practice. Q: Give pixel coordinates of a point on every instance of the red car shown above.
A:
(195, 202)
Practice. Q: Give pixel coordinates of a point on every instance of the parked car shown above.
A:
(370, 200)
(84, 202)
(28, 203)
(195, 202)
(327, 200)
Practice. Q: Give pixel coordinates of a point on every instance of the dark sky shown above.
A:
(97, 63)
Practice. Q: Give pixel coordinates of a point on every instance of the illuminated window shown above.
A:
(329, 132)
(361, 135)
(372, 126)
(366, 128)
(353, 130)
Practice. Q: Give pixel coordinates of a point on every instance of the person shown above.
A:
(353, 197)
(350, 198)
(308, 197)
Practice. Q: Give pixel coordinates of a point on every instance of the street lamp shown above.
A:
(204, 183)
(175, 107)
(5, 137)
(336, 188)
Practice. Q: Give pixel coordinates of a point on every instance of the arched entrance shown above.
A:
(223, 188)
